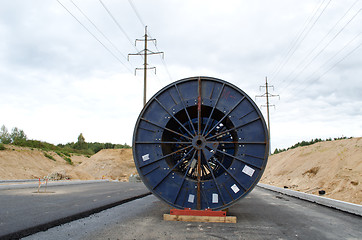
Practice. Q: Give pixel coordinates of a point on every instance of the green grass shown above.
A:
(2, 147)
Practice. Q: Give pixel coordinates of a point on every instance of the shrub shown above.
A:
(2, 147)
(68, 160)
(66, 154)
(59, 154)
(35, 144)
(49, 156)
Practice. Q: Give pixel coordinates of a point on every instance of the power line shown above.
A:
(117, 23)
(110, 42)
(302, 39)
(94, 36)
(317, 45)
(276, 70)
(315, 57)
(166, 67)
(311, 77)
(163, 62)
(339, 51)
(137, 14)
(342, 59)
(335, 64)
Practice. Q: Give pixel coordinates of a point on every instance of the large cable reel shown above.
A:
(200, 143)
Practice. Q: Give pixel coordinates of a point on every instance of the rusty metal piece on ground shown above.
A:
(200, 143)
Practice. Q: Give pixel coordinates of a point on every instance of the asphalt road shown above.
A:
(263, 214)
(23, 211)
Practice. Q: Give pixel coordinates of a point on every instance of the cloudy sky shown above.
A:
(64, 73)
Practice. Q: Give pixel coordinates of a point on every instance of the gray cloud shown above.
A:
(51, 65)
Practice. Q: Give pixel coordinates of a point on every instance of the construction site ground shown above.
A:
(263, 214)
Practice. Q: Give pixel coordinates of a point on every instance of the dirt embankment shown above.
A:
(110, 163)
(25, 163)
(334, 166)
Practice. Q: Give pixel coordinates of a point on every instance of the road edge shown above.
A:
(35, 183)
(43, 227)
(328, 202)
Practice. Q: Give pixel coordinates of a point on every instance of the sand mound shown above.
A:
(335, 167)
(110, 163)
(25, 163)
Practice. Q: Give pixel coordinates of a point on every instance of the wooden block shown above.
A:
(187, 218)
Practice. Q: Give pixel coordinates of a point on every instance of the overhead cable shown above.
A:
(341, 60)
(137, 14)
(118, 25)
(298, 43)
(311, 76)
(277, 69)
(110, 42)
(315, 57)
(333, 66)
(318, 44)
(95, 36)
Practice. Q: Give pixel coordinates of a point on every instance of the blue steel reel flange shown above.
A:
(200, 143)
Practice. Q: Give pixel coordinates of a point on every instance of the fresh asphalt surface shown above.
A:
(263, 214)
(23, 211)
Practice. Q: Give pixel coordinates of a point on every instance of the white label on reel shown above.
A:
(248, 170)
(191, 198)
(146, 157)
(235, 188)
(215, 198)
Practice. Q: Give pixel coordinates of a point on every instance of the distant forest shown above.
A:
(18, 137)
(306, 143)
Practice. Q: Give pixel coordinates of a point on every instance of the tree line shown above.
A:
(19, 138)
(306, 143)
